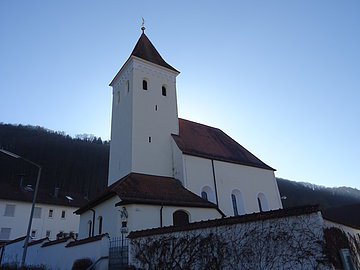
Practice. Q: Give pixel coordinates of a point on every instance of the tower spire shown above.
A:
(143, 25)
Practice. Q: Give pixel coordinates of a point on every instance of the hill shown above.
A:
(72, 164)
(80, 165)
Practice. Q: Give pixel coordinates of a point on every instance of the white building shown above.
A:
(53, 213)
(167, 171)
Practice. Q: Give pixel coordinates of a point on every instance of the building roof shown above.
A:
(144, 49)
(138, 188)
(274, 214)
(25, 194)
(347, 215)
(208, 142)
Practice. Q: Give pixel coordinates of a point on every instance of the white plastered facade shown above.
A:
(18, 222)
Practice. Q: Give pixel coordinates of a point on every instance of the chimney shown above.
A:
(56, 192)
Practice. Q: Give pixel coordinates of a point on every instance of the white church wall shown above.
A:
(250, 181)
(42, 224)
(198, 175)
(143, 217)
(110, 219)
(121, 125)
(154, 119)
(178, 160)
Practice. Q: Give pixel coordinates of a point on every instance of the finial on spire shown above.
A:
(143, 25)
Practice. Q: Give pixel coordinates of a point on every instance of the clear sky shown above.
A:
(280, 77)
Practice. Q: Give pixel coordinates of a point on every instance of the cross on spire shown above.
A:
(143, 25)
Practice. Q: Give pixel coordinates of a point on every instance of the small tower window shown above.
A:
(128, 86)
(149, 139)
(118, 97)
(163, 91)
(145, 85)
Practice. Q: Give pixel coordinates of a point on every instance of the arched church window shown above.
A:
(262, 202)
(163, 91)
(208, 194)
(180, 218)
(89, 227)
(237, 202)
(100, 220)
(145, 85)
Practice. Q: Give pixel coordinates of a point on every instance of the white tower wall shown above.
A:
(143, 120)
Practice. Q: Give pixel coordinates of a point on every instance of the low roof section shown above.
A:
(136, 188)
(208, 142)
(15, 192)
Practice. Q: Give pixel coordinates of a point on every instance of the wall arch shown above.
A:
(237, 202)
(210, 195)
(181, 218)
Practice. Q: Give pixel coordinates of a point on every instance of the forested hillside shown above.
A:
(72, 164)
(80, 165)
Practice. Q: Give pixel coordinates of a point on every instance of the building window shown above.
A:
(33, 233)
(234, 203)
(237, 202)
(145, 85)
(208, 194)
(37, 212)
(100, 224)
(163, 91)
(128, 86)
(51, 213)
(5, 233)
(63, 214)
(48, 233)
(180, 218)
(262, 202)
(149, 139)
(9, 210)
(89, 227)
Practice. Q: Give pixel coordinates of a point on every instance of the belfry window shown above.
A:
(145, 85)
(163, 91)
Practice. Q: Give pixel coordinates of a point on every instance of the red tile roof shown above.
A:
(15, 193)
(281, 213)
(144, 49)
(57, 241)
(204, 141)
(36, 242)
(149, 189)
(86, 240)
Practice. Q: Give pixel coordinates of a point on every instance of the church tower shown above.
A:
(144, 114)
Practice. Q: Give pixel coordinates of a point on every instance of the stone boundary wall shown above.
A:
(58, 254)
(273, 240)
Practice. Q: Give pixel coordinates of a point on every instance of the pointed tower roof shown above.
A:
(144, 49)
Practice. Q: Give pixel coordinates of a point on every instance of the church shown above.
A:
(164, 170)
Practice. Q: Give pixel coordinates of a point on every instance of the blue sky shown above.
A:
(280, 77)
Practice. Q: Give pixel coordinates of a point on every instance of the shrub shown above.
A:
(82, 264)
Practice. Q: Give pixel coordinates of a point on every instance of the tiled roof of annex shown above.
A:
(149, 189)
